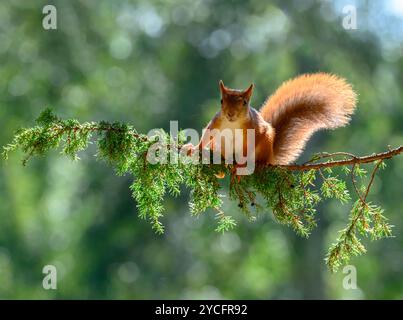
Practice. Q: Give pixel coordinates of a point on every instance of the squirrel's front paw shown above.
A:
(188, 149)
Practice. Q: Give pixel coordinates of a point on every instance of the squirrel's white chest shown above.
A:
(231, 137)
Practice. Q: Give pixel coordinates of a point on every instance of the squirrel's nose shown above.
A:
(230, 114)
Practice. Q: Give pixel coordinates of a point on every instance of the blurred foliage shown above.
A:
(148, 62)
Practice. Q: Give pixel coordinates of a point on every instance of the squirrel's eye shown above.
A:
(245, 102)
(221, 101)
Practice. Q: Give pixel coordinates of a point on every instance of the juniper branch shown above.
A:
(290, 192)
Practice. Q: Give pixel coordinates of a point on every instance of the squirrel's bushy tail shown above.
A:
(304, 105)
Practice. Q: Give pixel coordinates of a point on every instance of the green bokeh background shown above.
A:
(148, 62)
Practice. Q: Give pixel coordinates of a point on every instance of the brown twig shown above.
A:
(323, 155)
(337, 163)
(364, 199)
(354, 182)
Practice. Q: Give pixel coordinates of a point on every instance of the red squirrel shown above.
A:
(287, 119)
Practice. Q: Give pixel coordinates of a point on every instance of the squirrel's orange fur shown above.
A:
(288, 118)
(304, 105)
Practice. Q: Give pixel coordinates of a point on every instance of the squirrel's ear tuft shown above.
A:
(223, 89)
(248, 92)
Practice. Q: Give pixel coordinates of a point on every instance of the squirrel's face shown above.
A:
(235, 103)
